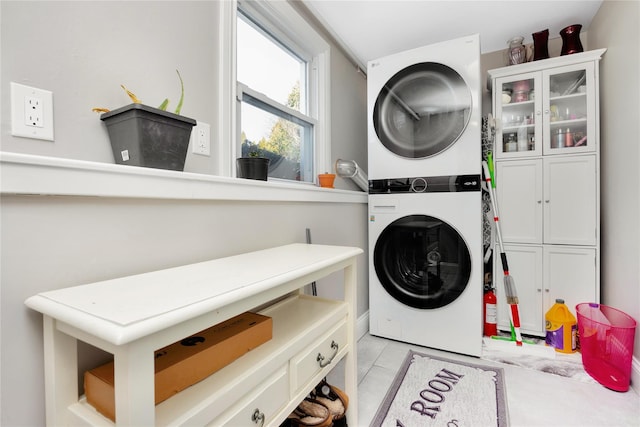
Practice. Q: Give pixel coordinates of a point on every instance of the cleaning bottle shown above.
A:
(561, 328)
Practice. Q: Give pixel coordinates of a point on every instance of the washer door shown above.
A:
(422, 110)
(422, 261)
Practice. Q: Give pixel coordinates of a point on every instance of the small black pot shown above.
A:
(253, 168)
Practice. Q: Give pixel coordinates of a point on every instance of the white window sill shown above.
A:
(38, 175)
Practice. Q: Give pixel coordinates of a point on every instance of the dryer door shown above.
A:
(422, 261)
(422, 110)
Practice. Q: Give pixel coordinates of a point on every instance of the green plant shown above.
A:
(251, 149)
(162, 106)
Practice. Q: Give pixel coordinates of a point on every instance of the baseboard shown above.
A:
(362, 325)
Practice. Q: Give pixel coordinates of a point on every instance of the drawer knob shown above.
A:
(320, 358)
(258, 417)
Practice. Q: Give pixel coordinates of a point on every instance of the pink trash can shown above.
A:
(606, 342)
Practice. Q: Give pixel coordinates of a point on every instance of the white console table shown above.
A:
(133, 316)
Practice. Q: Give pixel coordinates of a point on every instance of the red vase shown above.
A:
(540, 44)
(571, 40)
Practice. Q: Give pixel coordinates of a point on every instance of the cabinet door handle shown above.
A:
(539, 202)
(546, 201)
(258, 417)
(320, 358)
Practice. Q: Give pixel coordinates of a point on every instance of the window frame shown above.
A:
(268, 105)
(282, 21)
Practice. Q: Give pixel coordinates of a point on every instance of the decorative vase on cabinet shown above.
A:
(540, 45)
(548, 189)
(571, 40)
(516, 52)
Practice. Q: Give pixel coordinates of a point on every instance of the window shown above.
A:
(281, 93)
(283, 137)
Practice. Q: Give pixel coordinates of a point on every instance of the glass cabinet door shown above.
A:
(518, 113)
(569, 109)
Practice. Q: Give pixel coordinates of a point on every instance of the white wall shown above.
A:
(83, 51)
(55, 242)
(617, 27)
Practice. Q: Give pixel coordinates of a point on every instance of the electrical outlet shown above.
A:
(31, 112)
(33, 115)
(201, 139)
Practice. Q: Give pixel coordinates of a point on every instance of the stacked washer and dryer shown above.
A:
(425, 209)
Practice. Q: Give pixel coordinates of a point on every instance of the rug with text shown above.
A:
(431, 391)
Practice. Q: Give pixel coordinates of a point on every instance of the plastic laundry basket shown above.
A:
(606, 340)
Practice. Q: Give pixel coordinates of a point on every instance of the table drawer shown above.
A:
(260, 407)
(322, 354)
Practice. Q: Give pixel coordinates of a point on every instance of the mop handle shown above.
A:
(494, 206)
(491, 170)
(510, 292)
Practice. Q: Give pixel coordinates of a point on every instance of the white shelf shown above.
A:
(131, 317)
(122, 310)
(568, 96)
(296, 321)
(25, 174)
(558, 61)
(517, 104)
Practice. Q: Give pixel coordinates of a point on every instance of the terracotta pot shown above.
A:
(326, 180)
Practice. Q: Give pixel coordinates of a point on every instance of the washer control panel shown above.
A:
(422, 184)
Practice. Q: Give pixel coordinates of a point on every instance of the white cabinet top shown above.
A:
(558, 61)
(125, 309)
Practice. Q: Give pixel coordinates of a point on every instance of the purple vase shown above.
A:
(571, 40)
(540, 45)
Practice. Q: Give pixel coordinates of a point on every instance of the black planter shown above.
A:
(253, 168)
(145, 136)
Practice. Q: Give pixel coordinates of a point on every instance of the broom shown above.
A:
(509, 283)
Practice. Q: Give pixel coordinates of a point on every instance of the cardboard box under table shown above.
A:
(186, 362)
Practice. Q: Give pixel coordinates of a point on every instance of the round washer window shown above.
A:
(422, 110)
(422, 261)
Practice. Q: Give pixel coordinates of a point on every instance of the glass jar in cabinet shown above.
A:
(569, 109)
(518, 116)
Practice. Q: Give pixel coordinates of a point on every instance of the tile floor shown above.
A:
(533, 398)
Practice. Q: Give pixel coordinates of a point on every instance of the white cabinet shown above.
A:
(547, 107)
(547, 183)
(518, 114)
(570, 200)
(549, 200)
(569, 273)
(519, 186)
(133, 316)
(542, 274)
(525, 265)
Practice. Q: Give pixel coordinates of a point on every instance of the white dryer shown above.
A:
(425, 262)
(424, 111)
